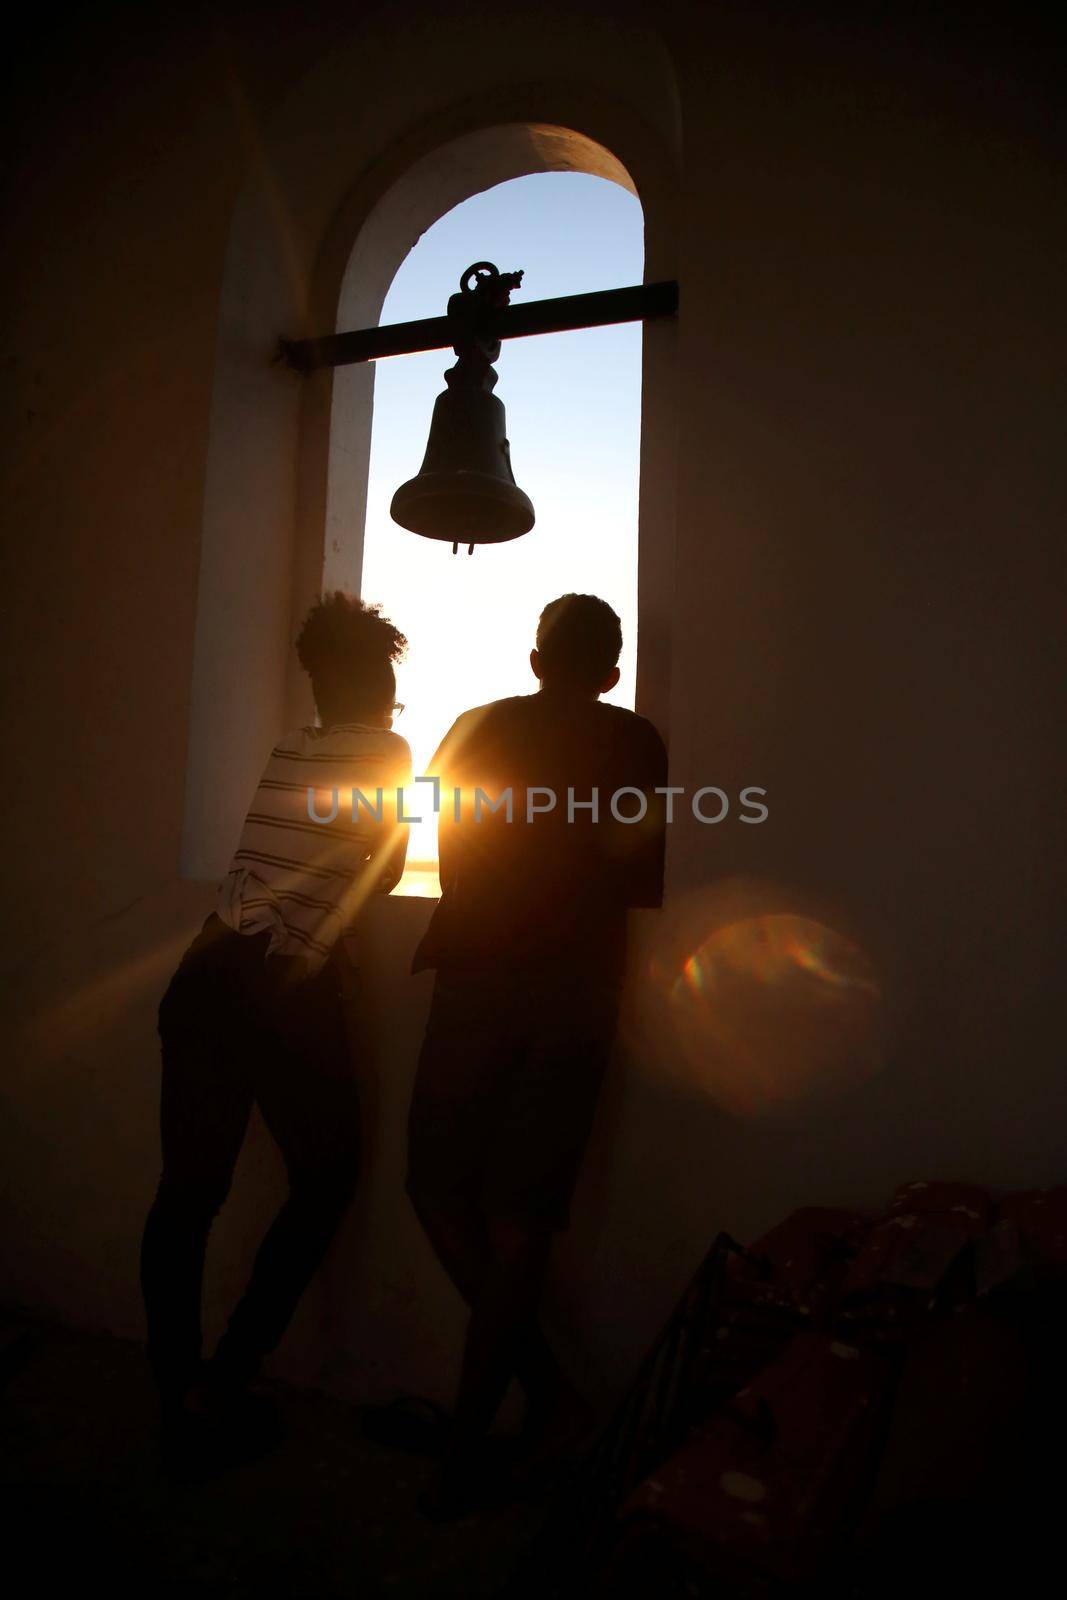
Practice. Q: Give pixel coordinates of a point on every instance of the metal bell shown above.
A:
(465, 491)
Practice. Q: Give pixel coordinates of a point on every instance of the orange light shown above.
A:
(759, 1008)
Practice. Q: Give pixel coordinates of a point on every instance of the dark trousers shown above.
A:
(507, 1086)
(237, 1028)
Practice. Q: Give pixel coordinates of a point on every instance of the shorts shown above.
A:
(506, 1089)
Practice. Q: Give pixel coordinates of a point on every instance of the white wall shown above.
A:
(855, 588)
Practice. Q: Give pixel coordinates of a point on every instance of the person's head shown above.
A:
(348, 649)
(578, 642)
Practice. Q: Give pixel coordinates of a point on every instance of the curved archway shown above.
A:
(335, 453)
(572, 405)
(433, 186)
(270, 504)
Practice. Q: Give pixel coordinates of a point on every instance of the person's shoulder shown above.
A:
(481, 728)
(511, 705)
(296, 742)
(393, 748)
(359, 733)
(494, 714)
(630, 722)
(380, 744)
(357, 738)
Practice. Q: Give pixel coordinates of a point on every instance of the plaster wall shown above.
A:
(850, 595)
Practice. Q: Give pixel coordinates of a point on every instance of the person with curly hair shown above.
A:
(254, 1015)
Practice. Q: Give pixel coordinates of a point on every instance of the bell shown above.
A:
(465, 490)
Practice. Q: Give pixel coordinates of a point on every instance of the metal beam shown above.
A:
(562, 315)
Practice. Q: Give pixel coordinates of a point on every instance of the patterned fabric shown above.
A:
(321, 835)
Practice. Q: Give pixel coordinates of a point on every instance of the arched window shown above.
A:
(286, 488)
(573, 408)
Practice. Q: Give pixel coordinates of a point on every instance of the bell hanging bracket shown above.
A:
(465, 491)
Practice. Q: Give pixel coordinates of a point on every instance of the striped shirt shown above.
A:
(321, 835)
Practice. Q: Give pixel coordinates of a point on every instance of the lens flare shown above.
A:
(98, 1005)
(778, 950)
(760, 1008)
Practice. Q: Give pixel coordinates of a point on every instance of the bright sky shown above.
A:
(573, 412)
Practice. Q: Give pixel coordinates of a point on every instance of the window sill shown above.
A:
(419, 882)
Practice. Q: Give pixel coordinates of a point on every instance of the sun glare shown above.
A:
(572, 405)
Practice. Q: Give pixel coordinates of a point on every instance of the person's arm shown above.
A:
(451, 766)
(643, 858)
(385, 840)
(391, 858)
(390, 852)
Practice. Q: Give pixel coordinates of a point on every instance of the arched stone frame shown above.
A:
(331, 510)
(269, 468)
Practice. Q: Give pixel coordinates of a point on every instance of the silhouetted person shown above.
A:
(254, 1015)
(528, 942)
